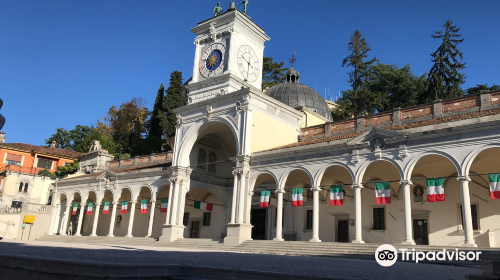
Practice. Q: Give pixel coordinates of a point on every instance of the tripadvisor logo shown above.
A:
(386, 255)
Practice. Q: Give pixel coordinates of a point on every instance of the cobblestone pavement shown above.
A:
(314, 266)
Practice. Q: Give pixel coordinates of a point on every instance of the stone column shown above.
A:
(315, 232)
(131, 220)
(175, 201)
(55, 210)
(96, 218)
(112, 222)
(235, 192)
(357, 204)
(466, 212)
(279, 218)
(151, 217)
(65, 220)
(241, 201)
(407, 209)
(169, 206)
(80, 219)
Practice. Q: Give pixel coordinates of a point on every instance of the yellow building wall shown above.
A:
(311, 120)
(268, 133)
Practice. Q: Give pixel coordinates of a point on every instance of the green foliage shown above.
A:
(69, 168)
(122, 156)
(478, 88)
(62, 138)
(273, 73)
(148, 145)
(47, 173)
(444, 78)
(106, 142)
(174, 99)
(155, 128)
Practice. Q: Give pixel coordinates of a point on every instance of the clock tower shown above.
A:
(229, 55)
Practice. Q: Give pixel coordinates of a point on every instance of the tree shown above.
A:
(478, 88)
(78, 135)
(394, 87)
(106, 142)
(444, 78)
(62, 138)
(174, 99)
(273, 73)
(155, 128)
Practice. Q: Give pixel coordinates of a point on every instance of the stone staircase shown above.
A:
(296, 248)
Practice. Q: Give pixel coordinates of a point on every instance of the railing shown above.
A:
(38, 208)
(10, 210)
(141, 160)
(21, 169)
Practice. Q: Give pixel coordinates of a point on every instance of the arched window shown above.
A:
(212, 158)
(25, 187)
(20, 187)
(202, 158)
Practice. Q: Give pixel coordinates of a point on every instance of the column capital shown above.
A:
(357, 186)
(133, 201)
(406, 182)
(98, 203)
(315, 189)
(280, 191)
(115, 202)
(463, 178)
(251, 193)
(237, 172)
(83, 204)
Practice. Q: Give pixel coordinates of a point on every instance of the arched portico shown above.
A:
(262, 220)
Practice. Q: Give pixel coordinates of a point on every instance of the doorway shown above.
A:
(258, 221)
(343, 231)
(420, 233)
(195, 229)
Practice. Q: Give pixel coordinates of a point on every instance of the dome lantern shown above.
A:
(292, 76)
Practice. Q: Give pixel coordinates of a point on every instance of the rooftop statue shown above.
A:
(217, 10)
(245, 3)
(2, 119)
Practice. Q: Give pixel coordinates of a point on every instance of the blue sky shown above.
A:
(64, 63)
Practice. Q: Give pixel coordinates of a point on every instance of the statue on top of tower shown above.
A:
(217, 10)
(245, 3)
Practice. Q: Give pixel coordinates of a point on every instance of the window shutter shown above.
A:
(14, 157)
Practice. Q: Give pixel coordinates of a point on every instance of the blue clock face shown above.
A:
(214, 59)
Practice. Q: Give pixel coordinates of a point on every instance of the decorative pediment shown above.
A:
(106, 174)
(377, 137)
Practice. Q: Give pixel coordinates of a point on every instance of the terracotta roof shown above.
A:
(395, 127)
(44, 150)
(125, 169)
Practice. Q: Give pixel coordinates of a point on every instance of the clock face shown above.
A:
(213, 60)
(248, 63)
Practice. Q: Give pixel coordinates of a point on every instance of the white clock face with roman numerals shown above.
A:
(248, 63)
(213, 60)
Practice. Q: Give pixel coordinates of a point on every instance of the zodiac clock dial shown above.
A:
(248, 63)
(213, 60)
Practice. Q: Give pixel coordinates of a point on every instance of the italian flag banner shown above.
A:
(383, 192)
(297, 197)
(75, 207)
(89, 208)
(164, 205)
(264, 198)
(105, 210)
(203, 206)
(144, 206)
(337, 195)
(124, 207)
(494, 185)
(435, 190)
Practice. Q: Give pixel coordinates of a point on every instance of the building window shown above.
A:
(309, 221)
(212, 158)
(202, 158)
(185, 220)
(25, 187)
(44, 163)
(20, 187)
(13, 159)
(207, 218)
(379, 218)
(473, 211)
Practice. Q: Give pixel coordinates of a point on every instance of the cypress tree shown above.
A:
(444, 77)
(174, 99)
(155, 123)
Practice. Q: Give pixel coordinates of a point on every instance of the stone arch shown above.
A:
(319, 175)
(413, 162)
(212, 190)
(181, 158)
(138, 191)
(119, 192)
(469, 159)
(255, 176)
(285, 175)
(362, 169)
